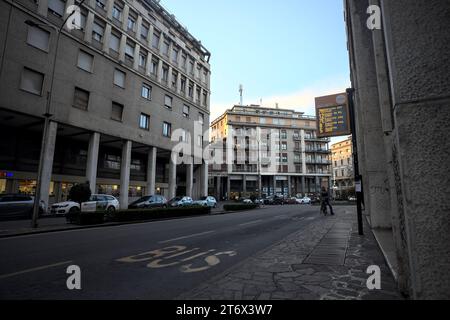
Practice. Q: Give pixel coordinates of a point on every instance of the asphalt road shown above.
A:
(156, 260)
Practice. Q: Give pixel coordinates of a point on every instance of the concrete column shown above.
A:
(228, 187)
(106, 38)
(89, 27)
(274, 184)
(204, 180)
(138, 27)
(151, 170)
(92, 161)
(43, 7)
(244, 183)
(137, 50)
(123, 42)
(125, 174)
(179, 83)
(68, 4)
(109, 9)
(160, 70)
(169, 77)
(150, 36)
(47, 165)
(57, 191)
(201, 97)
(148, 67)
(125, 13)
(161, 40)
(303, 186)
(194, 95)
(172, 175)
(289, 186)
(186, 88)
(189, 177)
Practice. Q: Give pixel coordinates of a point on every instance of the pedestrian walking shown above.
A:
(325, 201)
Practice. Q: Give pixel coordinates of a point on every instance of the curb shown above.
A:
(104, 225)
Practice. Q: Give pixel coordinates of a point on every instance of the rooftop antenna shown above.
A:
(241, 90)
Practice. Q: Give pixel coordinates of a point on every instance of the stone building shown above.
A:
(400, 71)
(342, 166)
(267, 151)
(122, 82)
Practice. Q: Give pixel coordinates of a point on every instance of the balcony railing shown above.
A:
(243, 168)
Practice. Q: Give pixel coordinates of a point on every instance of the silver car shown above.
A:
(18, 206)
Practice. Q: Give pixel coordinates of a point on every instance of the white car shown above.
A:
(97, 202)
(206, 202)
(247, 201)
(180, 202)
(304, 200)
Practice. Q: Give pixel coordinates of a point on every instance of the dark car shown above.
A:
(149, 202)
(274, 200)
(17, 206)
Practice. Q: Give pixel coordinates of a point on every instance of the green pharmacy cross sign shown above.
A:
(333, 116)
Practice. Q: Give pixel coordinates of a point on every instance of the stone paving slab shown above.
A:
(290, 271)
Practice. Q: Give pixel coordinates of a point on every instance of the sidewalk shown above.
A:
(326, 260)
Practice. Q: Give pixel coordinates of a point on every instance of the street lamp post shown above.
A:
(47, 115)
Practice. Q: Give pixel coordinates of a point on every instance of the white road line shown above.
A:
(186, 237)
(249, 223)
(4, 276)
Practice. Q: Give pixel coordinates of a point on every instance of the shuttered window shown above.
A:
(117, 111)
(32, 81)
(81, 99)
(85, 61)
(38, 38)
(114, 43)
(119, 78)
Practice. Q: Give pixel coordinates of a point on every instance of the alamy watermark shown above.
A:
(374, 21)
(374, 281)
(73, 282)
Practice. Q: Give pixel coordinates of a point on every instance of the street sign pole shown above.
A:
(358, 178)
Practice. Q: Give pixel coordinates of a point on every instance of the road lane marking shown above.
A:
(187, 237)
(4, 276)
(249, 223)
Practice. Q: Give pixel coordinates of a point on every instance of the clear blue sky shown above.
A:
(274, 48)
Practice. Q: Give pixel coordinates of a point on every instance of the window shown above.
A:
(144, 32)
(191, 90)
(183, 61)
(101, 3)
(131, 23)
(168, 102)
(155, 40)
(183, 136)
(85, 61)
(117, 111)
(142, 59)
(205, 76)
(82, 23)
(154, 68)
(144, 121)
(146, 91)
(165, 48)
(56, 7)
(165, 75)
(117, 13)
(97, 32)
(201, 118)
(200, 141)
(186, 111)
(119, 78)
(129, 50)
(191, 67)
(114, 42)
(81, 99)
(183, 84)
(38, 38)
(32, 81)
(205, 99)
(167, 129)
(174, 55)
(284, 146)
(262, 120)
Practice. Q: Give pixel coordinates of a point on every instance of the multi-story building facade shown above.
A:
(267, 151)
(122, 82)
(343, 174)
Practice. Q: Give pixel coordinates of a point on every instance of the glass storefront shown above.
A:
(28, 187)
(2, 186)
(114, 190)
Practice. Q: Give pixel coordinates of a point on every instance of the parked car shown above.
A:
(304, 200)
(18, 206)
(247, 201)
(206, 202)
(352, 198)
(97, 202)
(291, 200)
(258, 201)
(180, 202)
(149, 202)
(274, 200)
